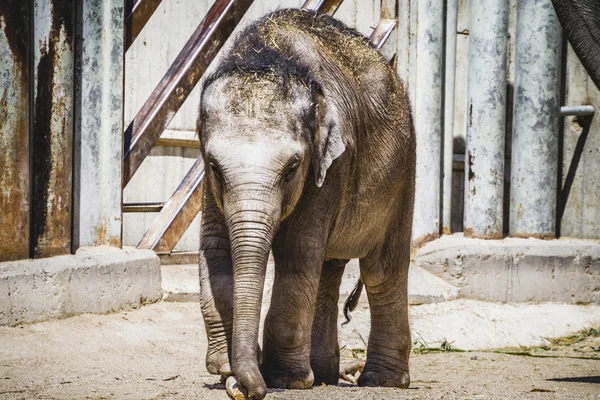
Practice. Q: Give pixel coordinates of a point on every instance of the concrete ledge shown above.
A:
(95, 280)
(181, 283)
(516, 270)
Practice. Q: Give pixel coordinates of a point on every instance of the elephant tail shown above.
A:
(352, 300)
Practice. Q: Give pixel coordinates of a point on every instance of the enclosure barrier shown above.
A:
(61, 128)
(61, 122)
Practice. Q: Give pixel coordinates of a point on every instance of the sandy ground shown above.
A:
(157, 352)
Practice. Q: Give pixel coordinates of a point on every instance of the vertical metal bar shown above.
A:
(407, 44)
(428, 119)
(450, 71)
(536, 118)
(53, 127)
(15, 46)
(98, 154)
(484, 167)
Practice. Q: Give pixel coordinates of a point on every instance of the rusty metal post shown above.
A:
(484, 167)
(52, 141)
(536, 121)
(428, 119)
(98, 152)
(15, 46)
(181, 78)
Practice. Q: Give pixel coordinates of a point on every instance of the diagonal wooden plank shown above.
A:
(324, 6)
(177, 214)
(181, 78)
(137, 18)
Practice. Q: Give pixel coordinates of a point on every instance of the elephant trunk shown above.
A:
(252, 225)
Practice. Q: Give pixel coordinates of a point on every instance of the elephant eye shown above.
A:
(215, 170)
(291, 169)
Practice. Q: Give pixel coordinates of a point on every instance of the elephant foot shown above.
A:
(298, 380)
(217, 362)
(387, 378)
(326, 371)
(252, 381)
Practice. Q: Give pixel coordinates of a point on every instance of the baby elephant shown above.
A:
(309, 147)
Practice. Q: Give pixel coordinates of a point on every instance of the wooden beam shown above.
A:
(177, 214)
(324, 6)
(137, 18)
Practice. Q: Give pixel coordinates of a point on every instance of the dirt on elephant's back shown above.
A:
(349, 48)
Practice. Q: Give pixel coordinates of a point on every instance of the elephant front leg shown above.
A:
(385, 275)
(325, 349)
(216, 288)
(288, 325)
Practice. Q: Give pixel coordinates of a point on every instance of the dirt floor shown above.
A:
(157, 352)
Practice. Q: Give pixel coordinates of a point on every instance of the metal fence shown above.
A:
(492, 73)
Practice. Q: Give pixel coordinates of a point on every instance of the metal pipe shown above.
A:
(450, 71)
(536, 119)
(428, 116)
(98, 150)
(566, 111)
(484, 167)
(15, 47)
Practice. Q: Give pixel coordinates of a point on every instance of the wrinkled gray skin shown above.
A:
(320, 177)
(581, 21)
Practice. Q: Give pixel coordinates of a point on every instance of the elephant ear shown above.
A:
(581, 20)
(328, 141)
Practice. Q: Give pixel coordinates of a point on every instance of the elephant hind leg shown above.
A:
(325, 349)
(385, 275)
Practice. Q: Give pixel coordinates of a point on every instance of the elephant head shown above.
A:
(581, 20)
(263, 138)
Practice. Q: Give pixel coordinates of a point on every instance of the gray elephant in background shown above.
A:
(581, 20)
(309, 148)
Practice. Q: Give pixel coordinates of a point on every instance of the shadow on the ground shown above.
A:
(578, 379)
